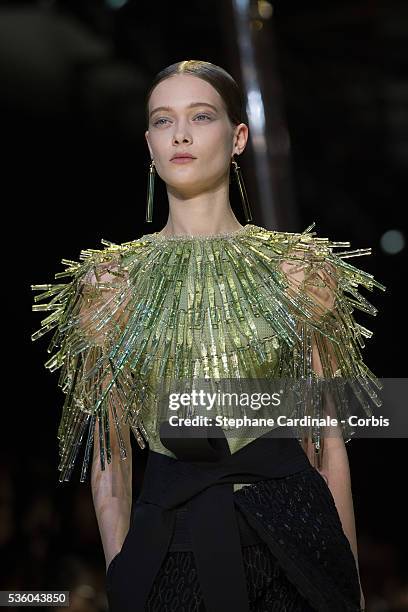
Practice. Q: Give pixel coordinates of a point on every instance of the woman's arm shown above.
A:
(334, 466)
(111, 487)
(112, 492)
(335, 469)
(323, 293)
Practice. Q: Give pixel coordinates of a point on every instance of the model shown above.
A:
(223, 522)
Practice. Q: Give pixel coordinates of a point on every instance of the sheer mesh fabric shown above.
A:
(176, 588)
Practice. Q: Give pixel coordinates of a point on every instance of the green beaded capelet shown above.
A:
(248, 303)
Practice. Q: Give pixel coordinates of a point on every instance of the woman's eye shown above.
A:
(163, 119)
(158, 121)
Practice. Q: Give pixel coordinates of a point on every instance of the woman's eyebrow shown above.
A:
(191, 105)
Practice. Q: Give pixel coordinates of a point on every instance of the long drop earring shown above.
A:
(244, 197)
(150, 192)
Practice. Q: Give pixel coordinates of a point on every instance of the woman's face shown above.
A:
(203, 130)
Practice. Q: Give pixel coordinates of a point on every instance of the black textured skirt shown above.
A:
(296, 555)
(176, 587)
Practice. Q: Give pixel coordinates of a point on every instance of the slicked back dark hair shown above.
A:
(219, 78)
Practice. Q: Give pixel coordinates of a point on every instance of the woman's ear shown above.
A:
(240, 138)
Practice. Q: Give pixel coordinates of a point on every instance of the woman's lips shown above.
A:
(182, 160)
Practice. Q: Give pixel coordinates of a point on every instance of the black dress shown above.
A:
(180, 553)
(253, 304)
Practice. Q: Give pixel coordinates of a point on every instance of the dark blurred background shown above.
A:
(73, 77)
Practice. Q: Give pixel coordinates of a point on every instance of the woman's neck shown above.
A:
(195, 228)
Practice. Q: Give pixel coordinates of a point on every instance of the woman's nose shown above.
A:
(180, 138)
(181, 134)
